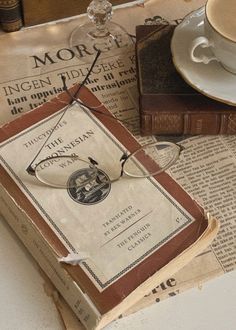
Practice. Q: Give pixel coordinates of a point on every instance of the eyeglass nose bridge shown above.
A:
(30, 170)
(93, 161)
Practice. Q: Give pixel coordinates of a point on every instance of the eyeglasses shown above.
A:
(52, 171)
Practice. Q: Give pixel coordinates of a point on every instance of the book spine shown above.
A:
(10, 15)
(47, 260)
(188, 123)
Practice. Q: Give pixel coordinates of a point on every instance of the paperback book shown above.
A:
(103, 245)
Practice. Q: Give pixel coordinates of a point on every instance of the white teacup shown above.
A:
(219, 34)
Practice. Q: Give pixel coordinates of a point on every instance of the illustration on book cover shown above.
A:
(93, 192)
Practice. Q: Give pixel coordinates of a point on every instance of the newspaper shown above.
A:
(34, 59)
(206, 170)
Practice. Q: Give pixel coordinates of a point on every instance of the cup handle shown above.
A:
(204, 43)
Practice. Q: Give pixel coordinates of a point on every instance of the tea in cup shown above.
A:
(219, 34)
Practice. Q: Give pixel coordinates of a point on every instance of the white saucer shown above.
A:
(209, 79)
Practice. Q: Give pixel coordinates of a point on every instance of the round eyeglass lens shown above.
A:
(151, 159)
(56, 171)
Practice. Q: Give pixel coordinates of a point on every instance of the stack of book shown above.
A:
(105, 247)
(167, 104)
(103, 254)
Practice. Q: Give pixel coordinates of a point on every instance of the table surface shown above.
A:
(26, 306)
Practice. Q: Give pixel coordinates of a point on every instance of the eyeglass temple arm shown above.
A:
(74, 97)
(30, 170)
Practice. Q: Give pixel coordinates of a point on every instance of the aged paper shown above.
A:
(206, 170)
(116, 236)
(32, 62)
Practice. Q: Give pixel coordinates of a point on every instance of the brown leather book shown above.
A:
(10, 15)
(125, 241)
(167, 104)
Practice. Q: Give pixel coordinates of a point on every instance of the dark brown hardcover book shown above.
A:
(10, 15)
(41, 11)
(167, 104)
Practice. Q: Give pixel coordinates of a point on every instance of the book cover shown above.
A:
(123, 238)
(167, 104)
(10, 15)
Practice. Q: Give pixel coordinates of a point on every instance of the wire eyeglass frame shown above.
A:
(92, 165)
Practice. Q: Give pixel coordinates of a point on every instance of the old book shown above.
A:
(42, 11)
(167, 104)
(106, 246)
(10, 15)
